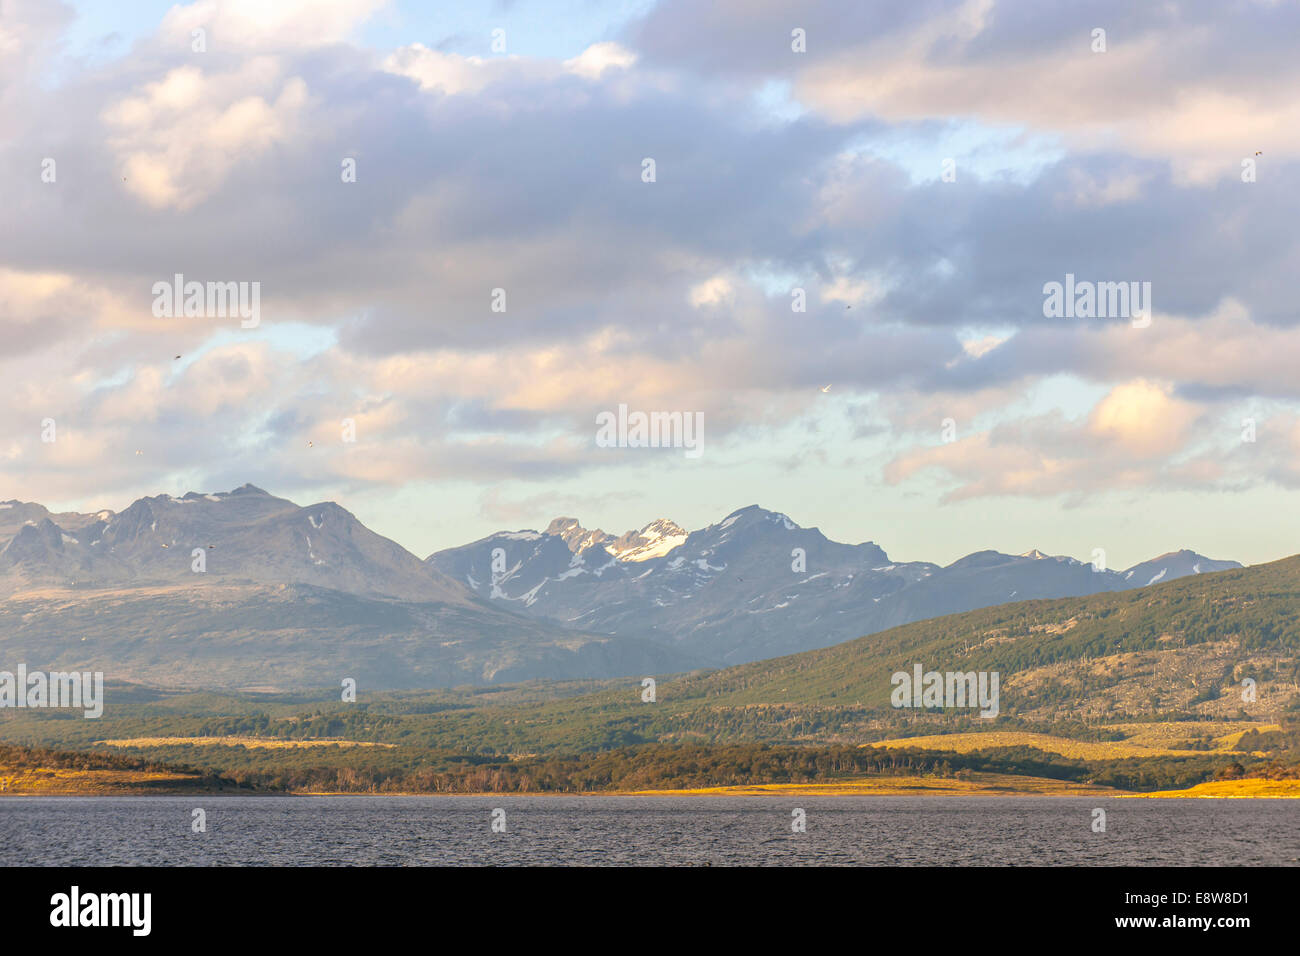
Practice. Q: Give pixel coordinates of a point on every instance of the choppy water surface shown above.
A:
(291, 831)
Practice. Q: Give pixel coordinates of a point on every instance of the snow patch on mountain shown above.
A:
(653, 541)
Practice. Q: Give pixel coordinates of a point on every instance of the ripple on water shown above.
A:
(395, 831)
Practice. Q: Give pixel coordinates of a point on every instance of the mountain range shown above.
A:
(246, 590)
(757, 585)
(287, 596)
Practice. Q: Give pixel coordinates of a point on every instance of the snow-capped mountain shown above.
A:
(244, 589)
(755, 584)
(1175, 564)
(654, 540)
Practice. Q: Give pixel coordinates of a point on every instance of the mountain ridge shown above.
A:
(244, 589)
(731, 591)
(210, 577)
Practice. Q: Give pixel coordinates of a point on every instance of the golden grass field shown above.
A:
(63, 782)
(1225, 733)
(252, 743)
(1233, 789)
(58, 781)
(1145, 740)
(975, 784)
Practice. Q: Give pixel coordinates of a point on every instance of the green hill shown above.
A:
(1138, 689)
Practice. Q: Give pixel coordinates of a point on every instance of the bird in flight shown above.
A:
(827, 388)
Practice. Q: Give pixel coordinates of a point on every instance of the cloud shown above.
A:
(1143, 419)
(523, 173)
(1127, 440)
(252, 25)
(599, 57)
(447, 73)
(181, 137)
(715, 291)
(1181, 83)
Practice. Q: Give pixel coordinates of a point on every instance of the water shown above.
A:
(719, 831)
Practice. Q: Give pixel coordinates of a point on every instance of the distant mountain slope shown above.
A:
(1175, 564)
(1175, 652)
(296, 636)
(293, 596)
(1097, 642)
(756, 585)
(288, 597)
(246, 536)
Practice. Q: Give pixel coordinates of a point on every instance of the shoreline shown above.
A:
(991, 786)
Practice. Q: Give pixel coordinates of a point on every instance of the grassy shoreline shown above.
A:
(84, 783)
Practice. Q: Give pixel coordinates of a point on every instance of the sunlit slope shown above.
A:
(1172, 650)
(1067, 650)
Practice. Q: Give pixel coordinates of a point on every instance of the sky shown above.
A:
(917, 174)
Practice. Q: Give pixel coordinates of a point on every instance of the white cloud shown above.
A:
(598, 58)
(434, 70)
(179, 138)
(715, 291)
(249, 24)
